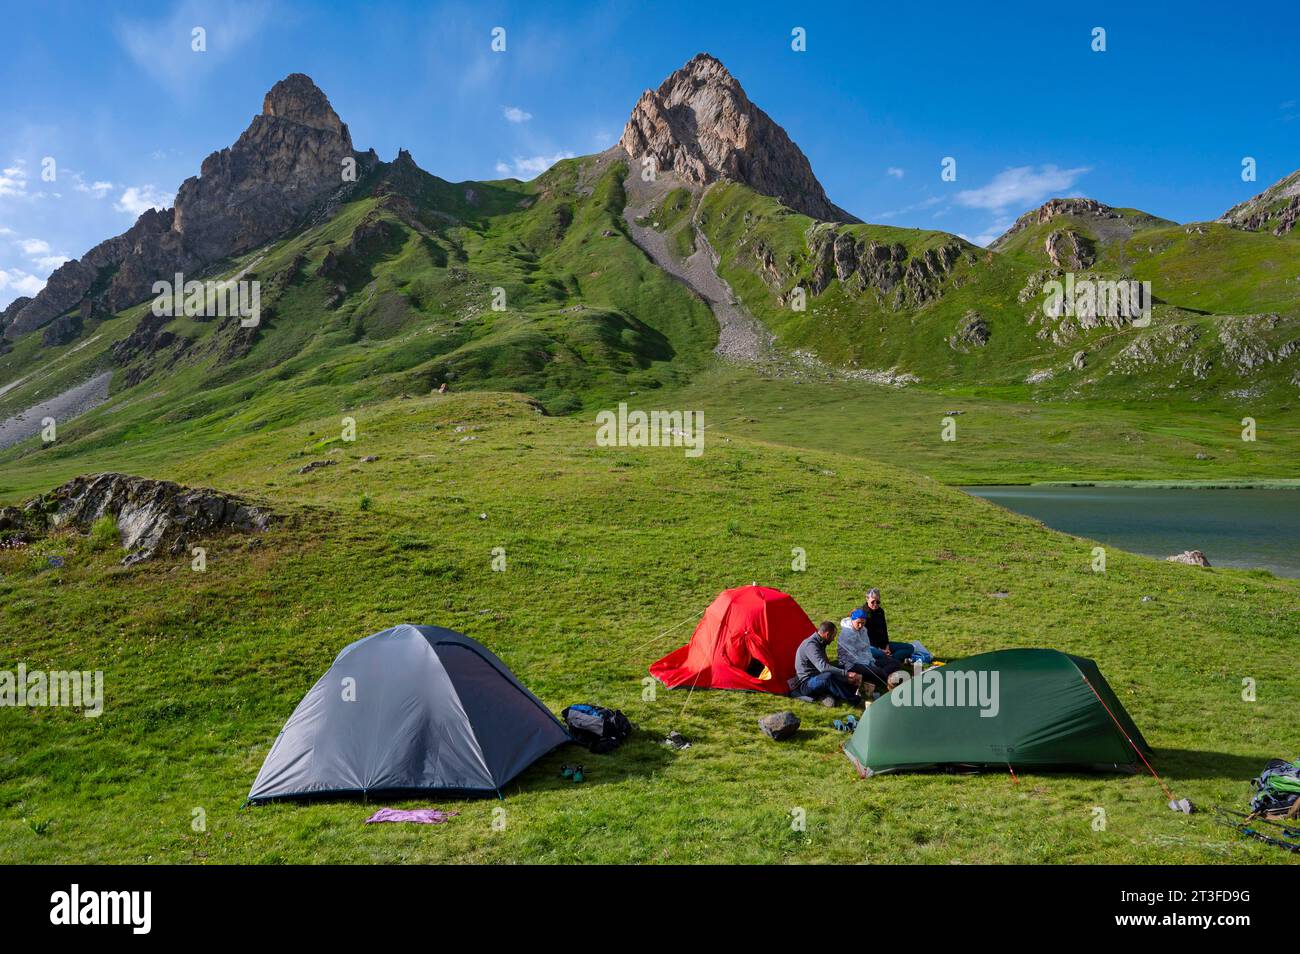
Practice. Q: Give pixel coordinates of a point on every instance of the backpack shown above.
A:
(599, 729)
(1277, 789)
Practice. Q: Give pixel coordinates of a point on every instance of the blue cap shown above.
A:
(858, 614)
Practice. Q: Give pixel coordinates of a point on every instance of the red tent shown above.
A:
(747, 640)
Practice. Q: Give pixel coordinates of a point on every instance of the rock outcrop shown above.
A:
(152, 516)
(289, 159)
(1276, 209)
(62, 330)
(1190, 557)
(1069, 250)
(700, 125)
(972, 332)
(900, 279)
(10, 312)
(1100, 217)
(1253, 341)
(1083, 208)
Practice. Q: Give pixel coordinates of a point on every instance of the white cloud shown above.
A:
(98, 189)
(6, 231)
(163, 48)
(13, 280)
(48, 263)
(985, 238)
(13, 179)
(528, 167)
(515, 115)
(926, 203)
(1020, 187)
(39, 254)
(894, 171)
(137, 199)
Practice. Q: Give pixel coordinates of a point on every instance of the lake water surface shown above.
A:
(1233, 528)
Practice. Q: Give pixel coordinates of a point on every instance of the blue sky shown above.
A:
(884, 91)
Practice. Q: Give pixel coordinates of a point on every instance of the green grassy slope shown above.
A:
(999, 439)
(607, 550)
(395, 292)
(406, 305)
(850, 329)
(1109, 236)
(1204, 266)
(1202, 344)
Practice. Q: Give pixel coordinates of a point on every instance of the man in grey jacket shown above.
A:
(816, 677)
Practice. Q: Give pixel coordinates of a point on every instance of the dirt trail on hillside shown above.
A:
(62, 407)
(740, 336)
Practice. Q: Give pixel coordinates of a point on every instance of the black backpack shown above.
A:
(599, 729)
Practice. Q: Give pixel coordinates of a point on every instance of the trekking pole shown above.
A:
(1260, 836)
(1287, 830)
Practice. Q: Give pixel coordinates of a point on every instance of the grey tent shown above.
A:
(414, 708)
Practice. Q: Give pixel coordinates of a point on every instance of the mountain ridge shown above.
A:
(371, 259)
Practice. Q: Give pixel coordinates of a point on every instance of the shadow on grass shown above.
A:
(643, 754)
(1193, 764)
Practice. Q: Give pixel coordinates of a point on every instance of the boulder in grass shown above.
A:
(152, 516)
(779, 726)
(1190, 557)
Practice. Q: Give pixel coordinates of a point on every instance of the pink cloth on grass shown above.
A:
(421, 816)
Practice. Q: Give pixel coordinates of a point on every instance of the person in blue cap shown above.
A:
(856, 653)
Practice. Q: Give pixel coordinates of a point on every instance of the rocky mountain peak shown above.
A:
(289, 159)
(700, 125)
(298, 99)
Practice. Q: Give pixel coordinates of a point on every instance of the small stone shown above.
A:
(779, 726)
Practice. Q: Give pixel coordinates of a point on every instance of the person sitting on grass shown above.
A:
(816, 677)
(878, 632)
(855, 653)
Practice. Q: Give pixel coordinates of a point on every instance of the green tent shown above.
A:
(1030, 708)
